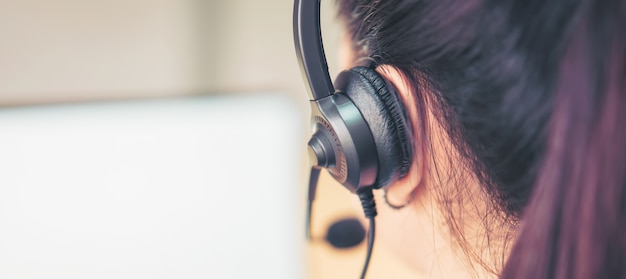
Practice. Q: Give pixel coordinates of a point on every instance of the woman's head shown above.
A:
(517, 111)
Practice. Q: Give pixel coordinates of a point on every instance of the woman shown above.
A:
(517, 107)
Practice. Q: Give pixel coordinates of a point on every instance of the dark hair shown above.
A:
(530, 93)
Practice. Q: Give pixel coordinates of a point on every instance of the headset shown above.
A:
(361, 134)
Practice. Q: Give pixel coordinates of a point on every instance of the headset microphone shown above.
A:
(361, 134)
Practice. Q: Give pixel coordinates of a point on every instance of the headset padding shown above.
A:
(381, 108)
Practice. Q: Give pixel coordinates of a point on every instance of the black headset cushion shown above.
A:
(378, 102)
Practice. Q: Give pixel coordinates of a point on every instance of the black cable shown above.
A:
(370, 246)
(369, 207)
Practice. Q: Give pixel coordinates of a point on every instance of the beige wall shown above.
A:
(76, 50)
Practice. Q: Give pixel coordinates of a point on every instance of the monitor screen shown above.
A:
(199, 187)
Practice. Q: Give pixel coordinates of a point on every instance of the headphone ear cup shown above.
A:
(378, 102)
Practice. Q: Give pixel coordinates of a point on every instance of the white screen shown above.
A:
(203, 187)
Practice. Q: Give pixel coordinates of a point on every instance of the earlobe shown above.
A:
(403, 191)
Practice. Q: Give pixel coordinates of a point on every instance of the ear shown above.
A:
(402, 191)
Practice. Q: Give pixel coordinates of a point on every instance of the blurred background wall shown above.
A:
(83, 50)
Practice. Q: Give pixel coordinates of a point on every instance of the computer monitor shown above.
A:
(198, 187)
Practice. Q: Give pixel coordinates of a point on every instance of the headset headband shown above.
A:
(310, 49)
